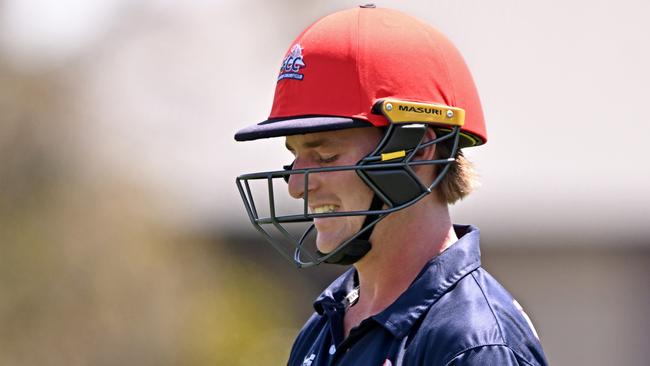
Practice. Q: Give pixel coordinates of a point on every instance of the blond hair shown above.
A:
(461, 178)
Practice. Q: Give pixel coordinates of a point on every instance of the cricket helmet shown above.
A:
(367, 67)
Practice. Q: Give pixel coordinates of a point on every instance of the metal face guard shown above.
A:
(388, 171)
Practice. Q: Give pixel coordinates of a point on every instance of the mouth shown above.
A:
(323, 209)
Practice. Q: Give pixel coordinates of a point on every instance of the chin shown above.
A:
(327, 245)
(328, 235)
(331, 233)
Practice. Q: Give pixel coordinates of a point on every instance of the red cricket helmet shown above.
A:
(341, 66)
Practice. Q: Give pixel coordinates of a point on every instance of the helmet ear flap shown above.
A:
(398, 185)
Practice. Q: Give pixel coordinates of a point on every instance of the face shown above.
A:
(333, 191)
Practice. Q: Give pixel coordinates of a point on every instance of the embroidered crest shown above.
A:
(292, 64)
(308, 360)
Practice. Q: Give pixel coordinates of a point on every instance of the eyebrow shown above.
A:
(309, 144)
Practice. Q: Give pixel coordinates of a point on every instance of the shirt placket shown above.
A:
(355, 335)
(334, 313)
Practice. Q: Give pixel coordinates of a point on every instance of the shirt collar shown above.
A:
(435, 278)
(335, 294)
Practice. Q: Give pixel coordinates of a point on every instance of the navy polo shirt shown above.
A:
(454, 313)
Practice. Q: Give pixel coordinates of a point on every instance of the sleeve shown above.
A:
(487, 355)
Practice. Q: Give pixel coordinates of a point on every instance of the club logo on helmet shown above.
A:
(292, 64)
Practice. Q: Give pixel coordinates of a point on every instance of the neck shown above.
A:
(401, 246)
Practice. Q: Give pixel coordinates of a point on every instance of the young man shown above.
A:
(375, 106)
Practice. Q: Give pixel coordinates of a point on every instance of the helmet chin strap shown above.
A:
(359, 247)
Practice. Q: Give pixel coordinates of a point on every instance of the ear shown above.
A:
(429, 152)
(426, 172)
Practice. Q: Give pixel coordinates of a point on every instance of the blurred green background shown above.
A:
(92, 272)
(122, 238)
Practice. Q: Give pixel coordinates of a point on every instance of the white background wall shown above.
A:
(164, 85)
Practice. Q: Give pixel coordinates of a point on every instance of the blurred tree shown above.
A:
(93, 272)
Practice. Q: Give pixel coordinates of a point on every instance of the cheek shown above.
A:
(356, 192)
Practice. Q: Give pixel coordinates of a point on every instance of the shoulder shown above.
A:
(475, 319)
(488, 355)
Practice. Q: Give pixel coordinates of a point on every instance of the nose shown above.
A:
(297, 181)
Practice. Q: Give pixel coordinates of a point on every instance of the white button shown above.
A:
(332, 350)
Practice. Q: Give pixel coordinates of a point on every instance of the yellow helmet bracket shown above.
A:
(399, 111)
